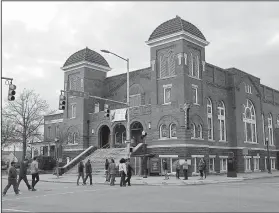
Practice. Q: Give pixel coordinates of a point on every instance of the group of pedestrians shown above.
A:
(201, 167)
(125, 170)
(12, 176)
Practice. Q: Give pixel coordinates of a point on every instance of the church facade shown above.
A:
(229, 109)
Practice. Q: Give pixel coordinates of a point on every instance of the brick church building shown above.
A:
(230, 110)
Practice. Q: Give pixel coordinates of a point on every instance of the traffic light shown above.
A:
(107, 112)
(62, 102)
(12, 92)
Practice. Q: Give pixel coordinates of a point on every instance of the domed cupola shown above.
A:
(174, 29)
(86, 57)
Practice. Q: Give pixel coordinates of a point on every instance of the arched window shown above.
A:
(167, 64)
(173, 131)
(163, 131)
(75, 138)
(222, 121)
(263, 129)
(193, 130)
(199, 131)
(191, 68)
(117, 139)
(197, 67)
(249, 119)
(69, 138)
(209, 119)
(270, 129)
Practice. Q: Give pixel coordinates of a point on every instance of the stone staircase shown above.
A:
(99, 157)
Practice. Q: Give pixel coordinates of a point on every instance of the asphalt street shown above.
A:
(261, 195)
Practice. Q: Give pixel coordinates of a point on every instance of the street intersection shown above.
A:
(251, 195)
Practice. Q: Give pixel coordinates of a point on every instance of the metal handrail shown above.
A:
(106, 146)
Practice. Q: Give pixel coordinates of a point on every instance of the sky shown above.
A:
(38, 37)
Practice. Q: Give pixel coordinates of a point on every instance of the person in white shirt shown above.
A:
(123, 172)
(34, 167)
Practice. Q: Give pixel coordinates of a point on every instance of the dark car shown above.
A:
(46, 163)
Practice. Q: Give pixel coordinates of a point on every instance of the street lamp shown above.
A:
(128, 101)
(143, 135)
(268, 156)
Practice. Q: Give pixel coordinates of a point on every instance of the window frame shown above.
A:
(210, 116)
(74, 138)
(170, 130)
(270, 130)
(223, 158)
(220, 119)
(138, 96)
(193, 133)
(97, 107)
(161, 133)
(247, 161)
(196, 101)
(252, 121)
(256, 160)
(165, 87)
(73, 110)
(213, 164)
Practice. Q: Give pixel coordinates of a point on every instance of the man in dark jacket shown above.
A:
(129, 172)
(88, 171)
(80, 172)
(12, 176)
(23, 174)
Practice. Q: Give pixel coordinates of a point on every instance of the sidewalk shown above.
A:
(159, 180)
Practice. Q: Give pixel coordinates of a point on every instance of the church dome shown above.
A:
(175, 25)
(86, 55)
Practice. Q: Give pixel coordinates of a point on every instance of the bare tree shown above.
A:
(27, 113)
(8, 132)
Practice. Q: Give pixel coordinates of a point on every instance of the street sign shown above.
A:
(79, 94)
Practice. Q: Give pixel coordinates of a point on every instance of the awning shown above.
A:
(118, 115)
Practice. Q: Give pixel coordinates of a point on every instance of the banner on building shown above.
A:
(118, 115)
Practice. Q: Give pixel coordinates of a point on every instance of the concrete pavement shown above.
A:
(159, 180)
(258, 195)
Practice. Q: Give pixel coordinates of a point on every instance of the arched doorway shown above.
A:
(119, 134)
(104, 134)
(136, 131)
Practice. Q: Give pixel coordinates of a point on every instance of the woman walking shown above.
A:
(201, 168)
(123, 172)
(106, 169)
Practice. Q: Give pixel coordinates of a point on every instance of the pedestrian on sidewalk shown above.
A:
(106, 170)
(112, 172)
(34, 167)
(129, 172)
(185, 169)
(165, 168)
(123, 172)
(201, 167)
(177, 169)
(80, 173)
(88, 171)
(12, 177)
(204, 169)
(23, 174)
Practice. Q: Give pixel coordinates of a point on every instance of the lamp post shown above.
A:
(268, 156)
(143, 135)
(57, 156)
(128, 101)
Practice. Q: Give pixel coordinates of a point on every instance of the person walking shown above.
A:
(201, 167)
(123, 172)
(88, 171)
(34, 167)
(177, 169)
(12, 177)
(129, 172)
(80, 173)
(204, 168)
(112, 172)
(23, 174)
(165, 168)
(185, 169)
(106, 170)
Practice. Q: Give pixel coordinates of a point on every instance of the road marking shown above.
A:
(63, 193)
(14, 210)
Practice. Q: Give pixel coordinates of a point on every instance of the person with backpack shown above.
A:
(88, 171)
(12, 177)
(129, 172)
(106, 170)
(185, 169)
(165, 168)
(80, 173)
(23, 174)
(177, 169)
(122, 171)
